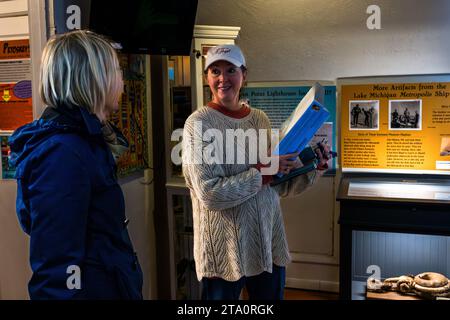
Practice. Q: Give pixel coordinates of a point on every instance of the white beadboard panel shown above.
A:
(13, 8)
(399, 254)
(13, 27)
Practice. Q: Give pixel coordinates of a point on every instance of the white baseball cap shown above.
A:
(227, 52)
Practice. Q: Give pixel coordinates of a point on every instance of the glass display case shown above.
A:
(386, 255)
(391, 227)
(185, 285)
(395, 187)
(180, 105)
(188, 287)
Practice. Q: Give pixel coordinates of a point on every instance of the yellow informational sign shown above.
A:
(396, 128)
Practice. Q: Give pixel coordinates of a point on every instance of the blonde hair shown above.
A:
(80, 68)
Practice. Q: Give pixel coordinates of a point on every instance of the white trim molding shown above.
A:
(316, 285)
(216, 32)
(314, 258)
(38, 39)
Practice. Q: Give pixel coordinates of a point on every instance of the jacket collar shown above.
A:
(93, 124)
(74, 116)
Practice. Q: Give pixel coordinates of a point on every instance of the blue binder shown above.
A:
(307, 118)
(298, 130)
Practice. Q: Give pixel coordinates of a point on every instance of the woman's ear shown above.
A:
(244, 78)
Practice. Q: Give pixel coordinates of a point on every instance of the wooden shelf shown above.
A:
(390, 295)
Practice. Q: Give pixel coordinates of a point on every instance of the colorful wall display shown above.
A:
(15, 84)
(396, 127)
(16, 103)
(132, 115)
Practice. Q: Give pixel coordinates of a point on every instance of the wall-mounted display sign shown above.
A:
(279, 99)
(15, 84)
(401, 126)
(132, 115)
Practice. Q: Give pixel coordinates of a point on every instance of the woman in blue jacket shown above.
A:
(68, 198)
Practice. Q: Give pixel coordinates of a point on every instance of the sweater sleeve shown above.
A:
(206, 178)
(298, 184)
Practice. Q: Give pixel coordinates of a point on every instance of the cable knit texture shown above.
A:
(238, 224)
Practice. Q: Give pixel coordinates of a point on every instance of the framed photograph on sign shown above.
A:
(405, 114)
(364, 115)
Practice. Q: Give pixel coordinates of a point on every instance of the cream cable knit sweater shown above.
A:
(238, 224)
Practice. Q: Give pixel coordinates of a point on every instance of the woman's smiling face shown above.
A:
(225, 80)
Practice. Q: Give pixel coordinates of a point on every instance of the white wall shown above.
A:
(322, 39)
(141, 228)
(14, 266)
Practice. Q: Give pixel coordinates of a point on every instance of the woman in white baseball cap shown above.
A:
(225, 71)
(239, 236)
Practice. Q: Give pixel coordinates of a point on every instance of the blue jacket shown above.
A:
(69, 202)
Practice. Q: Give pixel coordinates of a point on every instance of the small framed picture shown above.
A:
(405, 114)
(364, 115)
